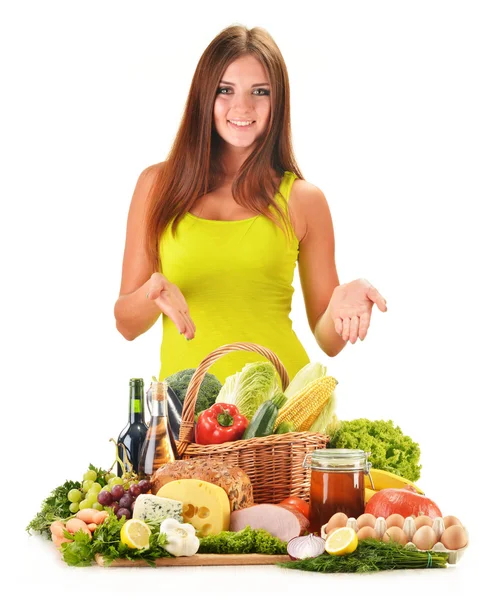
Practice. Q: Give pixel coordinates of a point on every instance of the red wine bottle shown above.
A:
(133, 435)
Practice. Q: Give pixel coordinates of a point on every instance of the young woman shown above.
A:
(215, 231)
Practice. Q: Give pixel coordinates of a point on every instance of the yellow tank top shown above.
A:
(236, 277)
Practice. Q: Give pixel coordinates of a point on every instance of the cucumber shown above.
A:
(264, 418)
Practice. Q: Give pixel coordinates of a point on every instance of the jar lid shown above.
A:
(340, 459)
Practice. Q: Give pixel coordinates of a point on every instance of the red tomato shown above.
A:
(298, 504)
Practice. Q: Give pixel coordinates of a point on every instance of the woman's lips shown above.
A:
(245, 127)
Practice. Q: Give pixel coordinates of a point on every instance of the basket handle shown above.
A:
(185, 436)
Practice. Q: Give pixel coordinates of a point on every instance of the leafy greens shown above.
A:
(106, 541)
(246, 541)
(390, 449)
(371, 555)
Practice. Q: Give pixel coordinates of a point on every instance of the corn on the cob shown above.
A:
(304, 407)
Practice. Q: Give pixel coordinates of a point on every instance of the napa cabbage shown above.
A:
(250, 387)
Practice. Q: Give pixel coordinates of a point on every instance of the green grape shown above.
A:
(105, 488)
(108, 476)
(91, 496)
(74, 507)
(90, 475)
(97, 505)
(96, 487)
(74, 496)
(87, 485)
(115, 481)
(85, 504)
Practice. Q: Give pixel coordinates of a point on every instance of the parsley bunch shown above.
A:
(54, 508)
(57, 506)
(106, 541)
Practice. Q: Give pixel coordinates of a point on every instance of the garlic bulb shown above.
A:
(181, 538)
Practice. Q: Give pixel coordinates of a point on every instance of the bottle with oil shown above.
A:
(169, 391)
(158, 448)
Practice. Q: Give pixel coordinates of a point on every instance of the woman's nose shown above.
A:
(243, 103)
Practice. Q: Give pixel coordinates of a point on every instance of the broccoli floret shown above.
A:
(209, 388)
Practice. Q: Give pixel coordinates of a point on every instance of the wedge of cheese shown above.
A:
(154, 508)
(205, 505)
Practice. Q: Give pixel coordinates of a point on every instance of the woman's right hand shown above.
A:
(169, 299)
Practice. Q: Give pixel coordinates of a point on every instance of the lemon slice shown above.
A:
(343, 540)
(135, 534)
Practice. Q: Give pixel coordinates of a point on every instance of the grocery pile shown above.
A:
(207, 505)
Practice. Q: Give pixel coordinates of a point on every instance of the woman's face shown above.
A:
(243, 95)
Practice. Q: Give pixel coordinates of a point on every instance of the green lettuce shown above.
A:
(246, 541)
(250, 387)
(390, 449)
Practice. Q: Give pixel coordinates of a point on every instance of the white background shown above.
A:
(384, 113)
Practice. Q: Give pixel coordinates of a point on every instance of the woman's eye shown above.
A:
(265, 92)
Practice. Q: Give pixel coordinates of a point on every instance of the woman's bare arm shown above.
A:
(134, 312)
(144, 295)
(317, 266)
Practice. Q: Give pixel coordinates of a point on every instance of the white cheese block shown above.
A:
(155, 508)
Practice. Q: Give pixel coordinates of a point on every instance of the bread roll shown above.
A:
(232, 479)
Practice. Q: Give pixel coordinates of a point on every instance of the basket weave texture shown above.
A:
(273, 463)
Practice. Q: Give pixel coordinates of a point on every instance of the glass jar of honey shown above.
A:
(337, 484)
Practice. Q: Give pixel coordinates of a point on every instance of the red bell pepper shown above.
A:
(220, 423)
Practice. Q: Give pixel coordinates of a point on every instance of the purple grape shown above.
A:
(105, 498)
(117, 491)
(135, 490)
(144, 486)
(126, 500)
(123, 512)
(132, 507)
(115, 506)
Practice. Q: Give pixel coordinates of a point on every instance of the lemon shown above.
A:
(135, 534)
(342, 541)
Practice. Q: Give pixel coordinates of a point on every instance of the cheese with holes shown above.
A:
(155, 508)
(205, 505)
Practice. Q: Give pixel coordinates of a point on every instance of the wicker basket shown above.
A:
(273, 463)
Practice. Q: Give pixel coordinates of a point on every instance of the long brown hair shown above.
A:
(193, 166)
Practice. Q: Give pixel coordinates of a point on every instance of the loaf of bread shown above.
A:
(231, 478)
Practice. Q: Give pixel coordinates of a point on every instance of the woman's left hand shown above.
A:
(350, 307)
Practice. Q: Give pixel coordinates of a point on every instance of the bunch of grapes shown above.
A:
(119, 494)
(87, 495)
(122, 499)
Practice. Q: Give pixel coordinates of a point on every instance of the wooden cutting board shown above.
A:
(201, 560)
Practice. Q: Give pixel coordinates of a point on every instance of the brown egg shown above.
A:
(395, 520)
(395, 534)
(339, 519)
(454, 537)
(450, 520)
(366, 520)
(422, 520)
(424, 538)
(367, 531)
